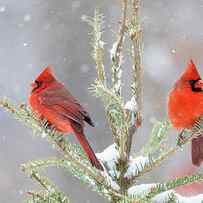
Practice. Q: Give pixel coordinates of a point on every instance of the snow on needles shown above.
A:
(136, 165)
(132, 105)
(110, 154)
(143, 189)
(164, 197)
(109, 158)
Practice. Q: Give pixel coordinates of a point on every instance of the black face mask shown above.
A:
(195, 89)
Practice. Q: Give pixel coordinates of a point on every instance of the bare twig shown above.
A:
(136, 40)
(121, 33)
(98, 45)
(116, 51)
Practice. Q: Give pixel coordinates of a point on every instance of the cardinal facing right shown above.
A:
(185, 106)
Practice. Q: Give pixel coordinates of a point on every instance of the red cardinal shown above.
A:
(51, 100)
(185, 106)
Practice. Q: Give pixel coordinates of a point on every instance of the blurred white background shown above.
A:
(35, 33)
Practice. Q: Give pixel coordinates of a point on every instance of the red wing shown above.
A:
(60, 100)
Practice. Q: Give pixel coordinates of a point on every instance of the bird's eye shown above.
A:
(38, 83)
(192, 82)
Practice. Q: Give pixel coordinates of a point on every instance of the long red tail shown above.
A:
(197, 151)
(88, 150)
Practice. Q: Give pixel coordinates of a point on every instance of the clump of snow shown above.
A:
(194, 199)
(131, 105)
(136, 165)
(164, 197)
(109, 158)
(141, 190)
(50, 189)
(111, 182)
(114, 185)
(113, 50)
(109, 154)
(101, 44)
(44, 135)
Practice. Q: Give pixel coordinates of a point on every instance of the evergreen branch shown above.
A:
(126, 140)
(41, 164)
(157, 136)
(24, 114)
(171, 198)
(44, 197)
(107, 95)
(53, 194)
(116, 52)
(153, 163)
(98, 45)
(114, 108)
(78, 164)
(116, 116)
(163, 192)
(172, 184)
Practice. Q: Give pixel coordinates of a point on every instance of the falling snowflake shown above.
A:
(27, 18)
(173, 51)
(84, 68)
(159, 61)
(2, 9)
(84, 18)
(21, 192)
